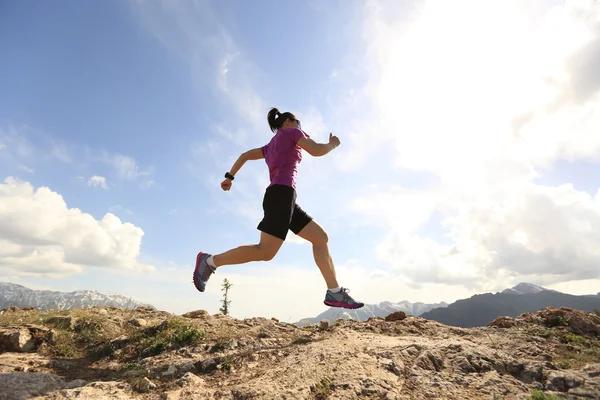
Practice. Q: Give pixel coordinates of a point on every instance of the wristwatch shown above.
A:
(229, 176)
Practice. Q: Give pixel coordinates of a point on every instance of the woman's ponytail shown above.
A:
(274, 122)
(276, 118)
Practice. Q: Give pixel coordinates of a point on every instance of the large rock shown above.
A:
(196, 314)
(396, 316)
(561, 381)
(25, 338)
(430, 360)
(190, 379)
(503, 322)
(16, 340)
(25, 385)
(76, 383)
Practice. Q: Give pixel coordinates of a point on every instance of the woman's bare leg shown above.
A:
(317, 236)
(264, 251)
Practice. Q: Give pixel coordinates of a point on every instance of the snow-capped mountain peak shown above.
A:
(524, 288)
(16, 295)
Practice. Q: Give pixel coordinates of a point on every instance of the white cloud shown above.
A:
(26, 168)
(26, 144)
(42, 236)
(545, 232)
(404, 208)
(61, 152)
(125, 167)
(455, 79)
(587, 286)
(546, 235)
(26, 147)
(147, 184)
(119, 209)
(98, 181)
(15, 142)
(485, 109)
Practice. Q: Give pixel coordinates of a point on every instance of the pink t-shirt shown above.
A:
(283, 155)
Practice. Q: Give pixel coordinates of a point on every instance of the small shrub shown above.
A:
(131, 366)
(107, 349)
(543, 333)
(574, 339)
(226, 364)
(322, 389)
(577, 355)
(557, 320)
(185, 335)
(64, 350)
(302, 340)
(221, 345)
(539, 395)
(225, 307)
(173, 335)
(597, 312)
(565, 363)
(59, 322)
(65, 346)
(89, 330)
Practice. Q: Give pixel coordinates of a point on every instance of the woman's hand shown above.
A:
(334, 140)
(226, 184)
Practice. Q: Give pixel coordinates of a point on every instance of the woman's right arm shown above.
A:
(318, 149)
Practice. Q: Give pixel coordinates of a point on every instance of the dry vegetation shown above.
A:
(153, 352)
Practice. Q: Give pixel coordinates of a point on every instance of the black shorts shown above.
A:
(282, 212)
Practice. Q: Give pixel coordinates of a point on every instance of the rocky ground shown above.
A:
(109, 353)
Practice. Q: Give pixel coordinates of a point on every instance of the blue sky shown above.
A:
(468, 160)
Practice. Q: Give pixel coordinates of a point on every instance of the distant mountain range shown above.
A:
(477, 310)
(20, 296)
(371, 310)
(481, 309)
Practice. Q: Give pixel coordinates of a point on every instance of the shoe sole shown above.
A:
(197, 285)
(341, 305)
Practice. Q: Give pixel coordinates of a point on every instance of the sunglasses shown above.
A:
(299, 124)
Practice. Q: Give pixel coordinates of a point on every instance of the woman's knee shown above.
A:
(314, 233)
(325, 238)
(320, 239)
(268, 254)
(268, 246)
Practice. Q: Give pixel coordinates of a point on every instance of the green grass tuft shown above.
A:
(539, 395)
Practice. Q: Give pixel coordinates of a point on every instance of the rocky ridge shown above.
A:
(111, 353)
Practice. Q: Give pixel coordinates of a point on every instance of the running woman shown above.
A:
(281, 213)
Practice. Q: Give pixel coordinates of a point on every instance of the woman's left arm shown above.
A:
(254, 154)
